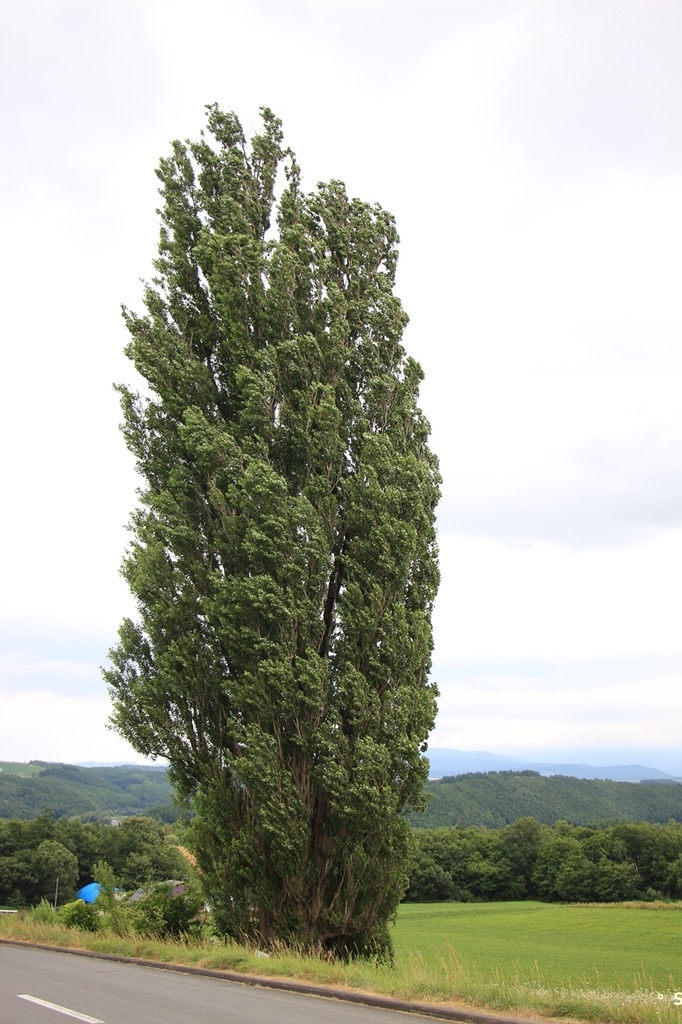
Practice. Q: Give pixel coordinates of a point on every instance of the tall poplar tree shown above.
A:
(284, 558)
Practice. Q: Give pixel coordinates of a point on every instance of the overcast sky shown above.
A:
(531, 153)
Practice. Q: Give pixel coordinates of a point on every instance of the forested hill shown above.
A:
(93, 794)
(496, 799)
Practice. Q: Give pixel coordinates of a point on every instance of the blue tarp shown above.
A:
(89, 893)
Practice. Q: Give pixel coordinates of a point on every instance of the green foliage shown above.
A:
(93, 794)
(138, 853)
(55, 868)
(495, 799)
(284, 555)
(31, 860)
(471, 863)
(81, 915)
(108, 902)
(88, 842)
(429, 882)
(159, 912)
(520, 842)
(563, 863)
(34, 853)
(550, 862)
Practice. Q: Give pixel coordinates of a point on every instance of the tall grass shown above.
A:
(448, 977)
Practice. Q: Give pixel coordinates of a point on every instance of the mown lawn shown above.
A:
(617, 947)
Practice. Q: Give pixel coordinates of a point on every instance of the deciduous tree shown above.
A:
(284, 555)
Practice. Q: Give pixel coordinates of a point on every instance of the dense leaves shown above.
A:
(284, 557)
(34, 854)
(496, 799)
(564, 863)
(162, 911)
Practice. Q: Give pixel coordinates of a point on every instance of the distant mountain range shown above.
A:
(459, 762)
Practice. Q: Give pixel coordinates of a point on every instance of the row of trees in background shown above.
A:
(567, 863)
(524, 860)
(34, 854)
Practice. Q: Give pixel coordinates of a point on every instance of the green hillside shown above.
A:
(495, 799)
(93, 794)
(492, 799)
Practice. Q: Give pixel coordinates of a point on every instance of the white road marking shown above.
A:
(62, 1009)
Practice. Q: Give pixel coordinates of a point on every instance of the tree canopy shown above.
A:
(284, 558)
(563, 862)
(33, 854)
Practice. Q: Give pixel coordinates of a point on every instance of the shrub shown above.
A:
(80, 915)
(161, 913)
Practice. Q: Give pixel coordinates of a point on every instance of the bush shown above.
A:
(80, 915)
(160, 913)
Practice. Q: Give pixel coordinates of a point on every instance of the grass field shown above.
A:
(611, 964)
(607, 946)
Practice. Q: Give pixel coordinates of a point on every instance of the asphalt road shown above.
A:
(104, 992)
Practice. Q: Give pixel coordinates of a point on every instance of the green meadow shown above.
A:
(608, 945)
